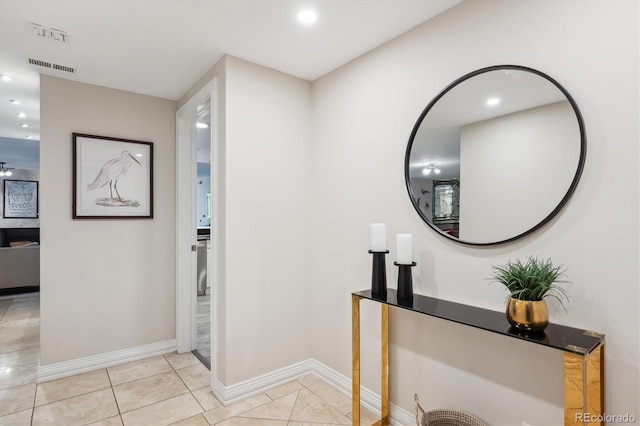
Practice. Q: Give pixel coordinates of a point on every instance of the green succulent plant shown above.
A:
(531, 280)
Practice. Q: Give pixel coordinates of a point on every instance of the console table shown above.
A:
(583, 351)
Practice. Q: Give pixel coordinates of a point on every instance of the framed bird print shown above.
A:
(112, 178)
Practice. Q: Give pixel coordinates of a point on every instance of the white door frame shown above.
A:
(186, 219)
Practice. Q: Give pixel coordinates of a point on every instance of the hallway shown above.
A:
(169, 389)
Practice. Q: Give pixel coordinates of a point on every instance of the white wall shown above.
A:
(268, 199)
(515, 169)
(262, 323)
(363, 116)
(105, 284)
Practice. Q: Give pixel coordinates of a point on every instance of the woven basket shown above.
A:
(445, 417)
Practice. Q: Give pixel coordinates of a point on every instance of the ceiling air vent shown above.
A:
(40, 63)
(63, 68)
(46, 64)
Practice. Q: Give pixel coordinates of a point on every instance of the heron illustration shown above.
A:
(111, 172)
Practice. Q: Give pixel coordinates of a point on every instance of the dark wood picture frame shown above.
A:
(21, 197)
(99, 164)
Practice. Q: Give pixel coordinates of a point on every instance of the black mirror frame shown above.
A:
(561, 204)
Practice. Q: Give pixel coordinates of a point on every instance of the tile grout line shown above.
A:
(70, 397)
(120, 412)
(7, 310)
(189, 391)
(204, 410)
(33, 408)
(22, 350)
(323, 399)
(111, 386)
(152, 403)
(182, 380)
(114, 396)
(294, 404)
(291, 414)
(329, 403)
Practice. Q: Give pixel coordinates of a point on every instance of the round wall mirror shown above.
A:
(495, 155)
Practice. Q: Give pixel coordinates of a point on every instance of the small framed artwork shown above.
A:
(20, 199)
(112, 178)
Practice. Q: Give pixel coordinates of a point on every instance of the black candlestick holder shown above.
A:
(379, 275)
(405, 283)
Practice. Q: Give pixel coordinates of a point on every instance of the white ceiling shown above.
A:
(161, 48)
(437, 140)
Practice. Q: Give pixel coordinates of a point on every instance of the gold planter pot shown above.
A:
(527, 314)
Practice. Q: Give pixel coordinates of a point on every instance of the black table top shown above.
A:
(556, 336)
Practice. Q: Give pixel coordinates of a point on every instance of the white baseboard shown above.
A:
(368, 399)
(95, 362)
(239, 391)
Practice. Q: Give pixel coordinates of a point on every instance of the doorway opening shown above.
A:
(203, 214)
(196, 235)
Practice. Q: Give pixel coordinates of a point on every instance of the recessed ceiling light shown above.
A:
(28, 136)
(24, 125)
(493, 101)
(21, 115)
(5, 77)
(307, 16)
(13, 101)
(138, 155)
(202, 125)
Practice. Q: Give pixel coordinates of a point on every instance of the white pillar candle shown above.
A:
(405, 249)
(378, 237)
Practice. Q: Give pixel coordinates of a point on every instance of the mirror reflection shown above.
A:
(495, 155)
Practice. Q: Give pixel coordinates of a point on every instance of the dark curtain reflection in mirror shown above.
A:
(495, 155)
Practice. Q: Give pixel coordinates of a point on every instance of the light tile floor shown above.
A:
(163, 390)
(204, 328)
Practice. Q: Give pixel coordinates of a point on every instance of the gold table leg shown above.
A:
(355, 360)
(584, 387)
(355, 363)
(384, 380)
